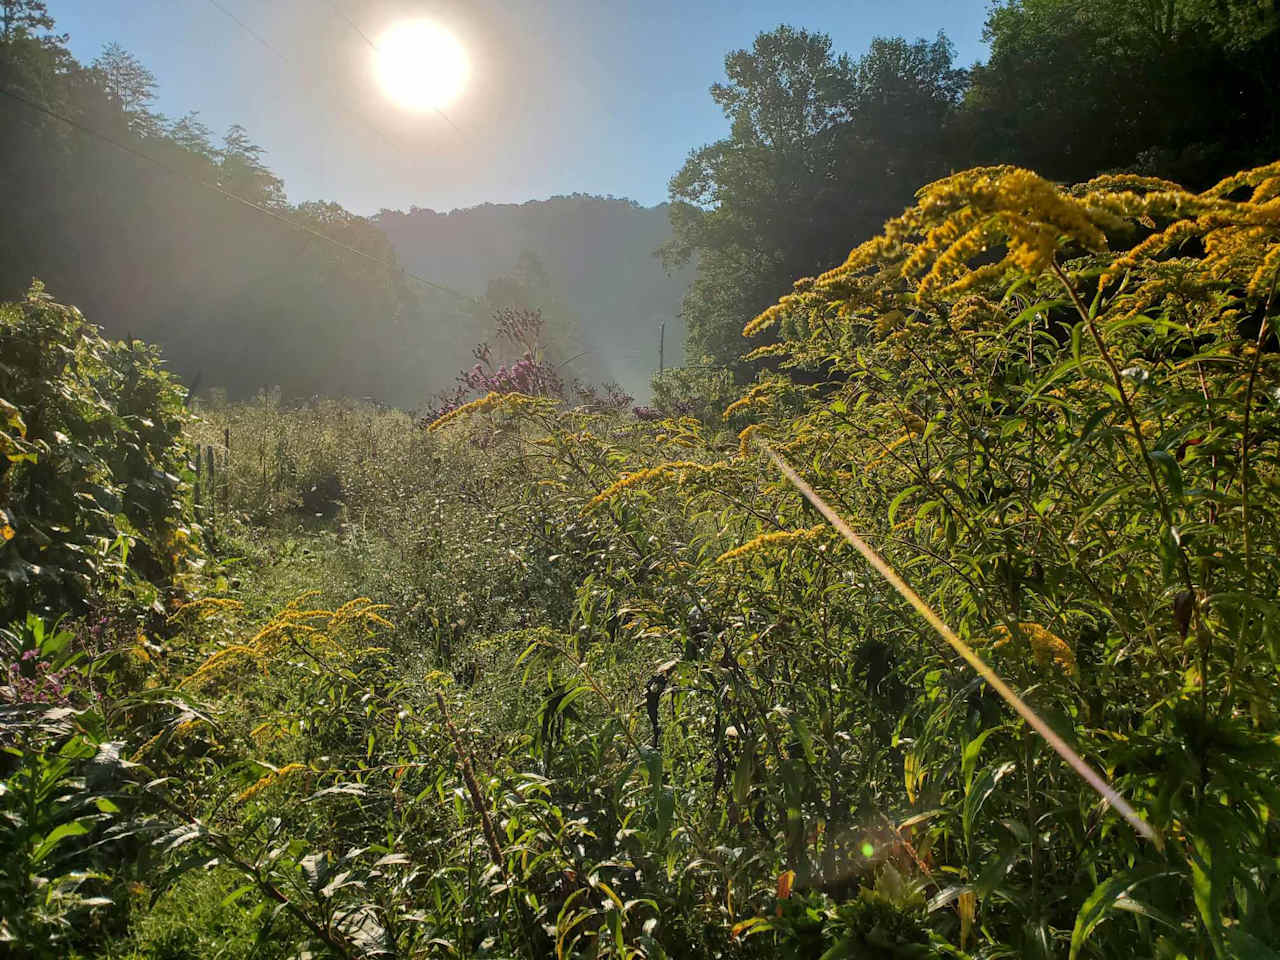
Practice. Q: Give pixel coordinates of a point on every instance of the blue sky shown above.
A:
(565, 96)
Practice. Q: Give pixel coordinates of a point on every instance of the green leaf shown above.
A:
(75, 828)
(1105, 898)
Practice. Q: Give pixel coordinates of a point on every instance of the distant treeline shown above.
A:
(242, 302)
(236, 299)
(824, 147)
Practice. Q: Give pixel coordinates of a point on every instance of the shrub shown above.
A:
(91, 463)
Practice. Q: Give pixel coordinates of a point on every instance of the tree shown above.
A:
(27, 16)
(527, 288)
(242, 171)
(30, 55)
(130, 86)
(822, 148)
(1183, 88)
(191, 134)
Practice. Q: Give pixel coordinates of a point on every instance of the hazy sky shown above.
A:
(565, 96)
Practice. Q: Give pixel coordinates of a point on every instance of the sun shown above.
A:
(421, 66)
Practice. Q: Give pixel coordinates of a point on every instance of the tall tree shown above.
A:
(130, 86)
(822, 148)
(242, 171)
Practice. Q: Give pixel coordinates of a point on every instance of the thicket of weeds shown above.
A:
(620, 691)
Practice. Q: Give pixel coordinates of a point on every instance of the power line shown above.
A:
(342, 15)
(245, 27)
(284, 59)
(227, 194)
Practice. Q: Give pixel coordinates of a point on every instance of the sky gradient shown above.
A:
(565, 96)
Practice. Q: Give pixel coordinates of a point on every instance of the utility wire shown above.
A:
(227, 194)
(342, 15)
(284, 59)
(245, 27)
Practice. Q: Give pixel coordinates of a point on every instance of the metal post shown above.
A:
(213, 485)
(226, 468)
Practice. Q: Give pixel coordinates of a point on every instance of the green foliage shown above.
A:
(1078, 88)
(623, 694)
(55, 801)
(821, 147)
(824, 148)
(91, 494)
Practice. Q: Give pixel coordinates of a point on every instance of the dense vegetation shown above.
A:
(538, 672)
(825, 147)
(624, 694)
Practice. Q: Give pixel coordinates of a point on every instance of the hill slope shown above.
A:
(599, 263)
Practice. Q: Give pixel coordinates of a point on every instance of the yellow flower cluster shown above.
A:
(218, 664)
(766, 350)
(1049, 649)
(767, 541)
(204, 607)
(319, 631)
(267, 730)
(289, 771)
(888, 450)
(744, 439)
(679, 469)
(180, 732)
(992, 223)
(490, 401)
(759, 395)
(988, 208)
(973, 311)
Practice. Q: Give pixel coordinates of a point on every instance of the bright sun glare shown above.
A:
(421, 66)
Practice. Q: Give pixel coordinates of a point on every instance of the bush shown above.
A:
(92, 495)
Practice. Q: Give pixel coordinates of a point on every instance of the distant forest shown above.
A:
(589, 263)
(823, 148)
(241, 302)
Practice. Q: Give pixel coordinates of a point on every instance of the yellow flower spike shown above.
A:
(1245, 178)
(220, 662)
(1049, 649)
(680, 469)
(766, 541)
(286, 772)
(204, 607)
(765, 320)
(1129, 181)
(744, 439)
(1264, 278)
(146, 747)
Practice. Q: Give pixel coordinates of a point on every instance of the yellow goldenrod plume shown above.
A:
(270, 779)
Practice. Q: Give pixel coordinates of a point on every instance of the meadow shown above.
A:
(542, 675)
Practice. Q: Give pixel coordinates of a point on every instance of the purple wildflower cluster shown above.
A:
(520, 331)
(30, 680)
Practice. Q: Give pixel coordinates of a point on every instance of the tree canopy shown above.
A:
(824, 147)
(821, 147)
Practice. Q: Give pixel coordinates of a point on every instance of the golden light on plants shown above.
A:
(421, 66)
